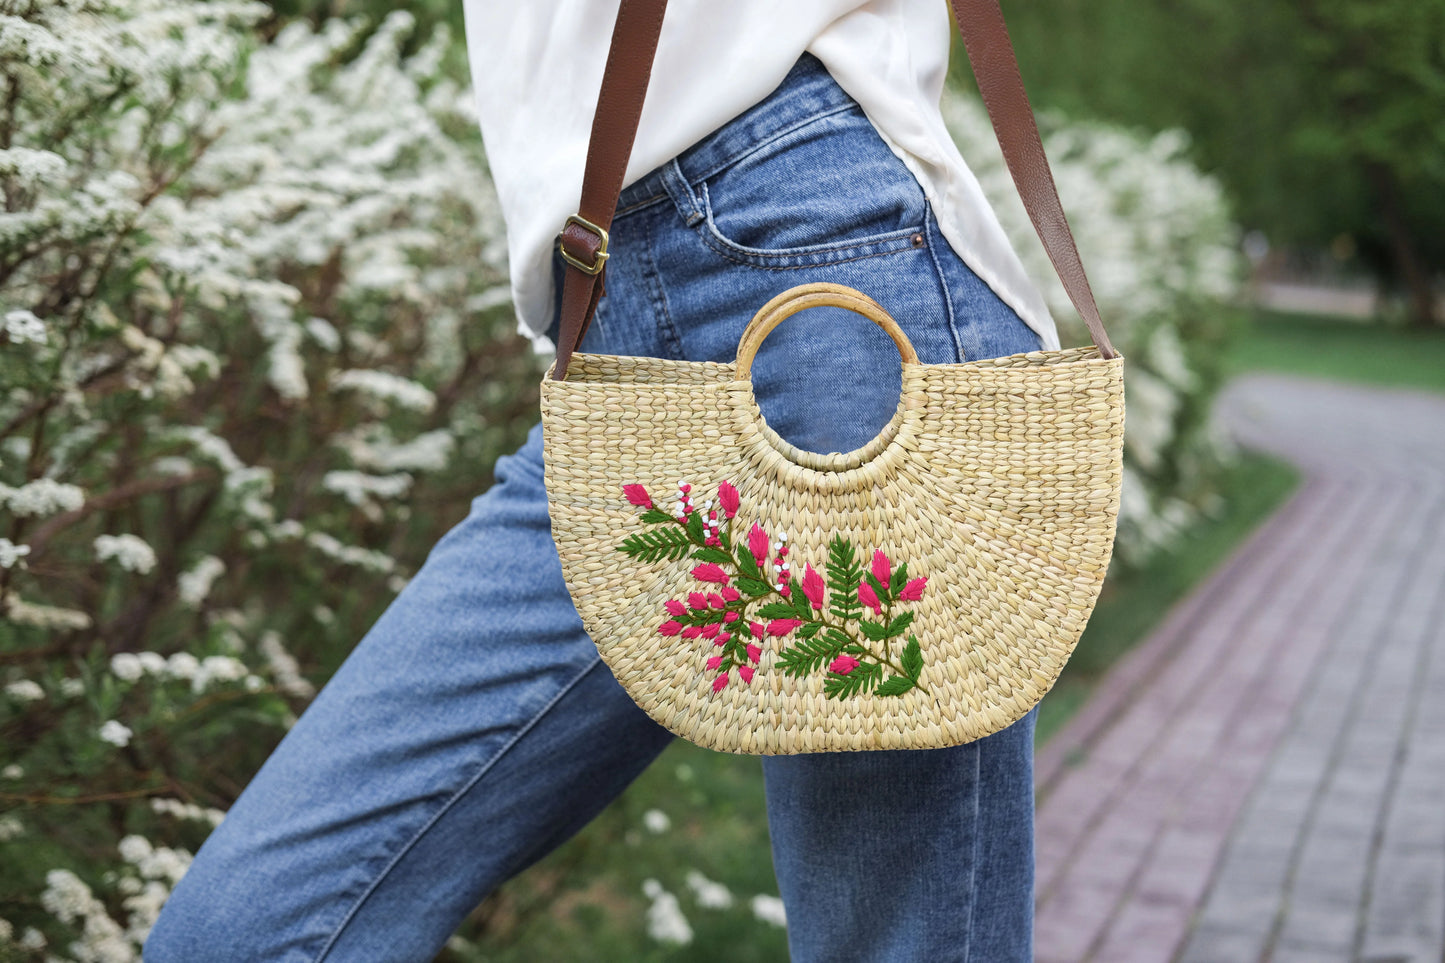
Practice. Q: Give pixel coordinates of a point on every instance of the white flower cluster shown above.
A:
(710, 894)
(373, 449)
(129, 551)
(201, 673)
(284, 667)
(23, 612)
(366, 558)
(665, 920)
(25, 690)
(10, 553)
(384, 386)
(188, 811)
(22, 326)
(43, 496)
(115, 733)
(194, 584)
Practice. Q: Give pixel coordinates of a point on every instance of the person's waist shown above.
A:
(805, 94)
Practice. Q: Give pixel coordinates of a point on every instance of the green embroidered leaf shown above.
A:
(863, 679)
(845, 574)
(656, 544)
(900, 624)
(656, 516)
(808, 630)
(809, 655)
(899, 579)
(752, 586)
(726, 539)
(873, 630)
(715, 555)
(895, 686)
(694, 527)
(878, 587)
(912, 658)
(747, 565)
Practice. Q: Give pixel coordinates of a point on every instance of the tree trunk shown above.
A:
(1408, 262)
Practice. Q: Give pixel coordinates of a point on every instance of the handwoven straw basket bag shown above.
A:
(922, 591)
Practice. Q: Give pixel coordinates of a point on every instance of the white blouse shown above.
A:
(537, 67)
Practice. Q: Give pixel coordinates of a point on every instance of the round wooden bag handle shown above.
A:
(819, 294)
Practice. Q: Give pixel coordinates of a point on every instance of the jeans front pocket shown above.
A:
(825, 192)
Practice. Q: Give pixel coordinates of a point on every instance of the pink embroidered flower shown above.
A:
(843, 664)
(637, 495)
(758, 544)
(731, 616)
(783, 626)
(913, 591)
(697, 600)
(813, 586)
(675, 607)
(731, 594)
(692, 632)
(727, 497)
(720, 682)
(670, 627)
(755, 628)
(746, 671)
(716, 600)
(722, 638)
(882, 568)
(714, 662)
(710, 631)
(754, 653)
(710, 572)
(868, 597)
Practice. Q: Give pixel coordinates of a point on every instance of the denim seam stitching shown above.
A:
(446, 806)
(827, 262)
(942, 283)
(808, 250)
(638, 205)
(653, 280)
(771, 139)
(732, 159)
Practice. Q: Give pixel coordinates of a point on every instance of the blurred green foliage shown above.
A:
(1321, 117)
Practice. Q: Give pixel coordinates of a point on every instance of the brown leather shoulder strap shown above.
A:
(614, 127)
(619, 107)
(996, 68)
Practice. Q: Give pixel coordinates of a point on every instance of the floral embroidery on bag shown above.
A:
(843, 622)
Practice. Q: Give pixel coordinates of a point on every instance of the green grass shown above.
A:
(1133, 602)
(1345, 350)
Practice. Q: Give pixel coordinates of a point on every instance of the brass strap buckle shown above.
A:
(596, 266)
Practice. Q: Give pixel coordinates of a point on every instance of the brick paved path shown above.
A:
(1263, 779)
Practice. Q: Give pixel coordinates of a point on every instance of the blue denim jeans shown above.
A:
(474, 728)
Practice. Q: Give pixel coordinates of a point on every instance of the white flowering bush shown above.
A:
(256, 354)
(1163, 259)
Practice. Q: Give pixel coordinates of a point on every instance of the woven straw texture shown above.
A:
(996, 482)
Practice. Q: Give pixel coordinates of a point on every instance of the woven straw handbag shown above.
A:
(922, 591)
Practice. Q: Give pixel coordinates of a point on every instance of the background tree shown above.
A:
(1321, 117)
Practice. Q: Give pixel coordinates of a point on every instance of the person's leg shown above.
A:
(473, 729)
